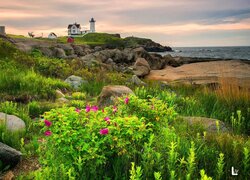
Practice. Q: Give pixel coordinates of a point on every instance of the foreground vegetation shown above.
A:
(141, 136)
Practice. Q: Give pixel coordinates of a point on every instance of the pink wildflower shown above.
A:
(88, 108)
(104, 131)
(47, 123)
(126, 100)
(114, 109)
(94, 108)
(47, 133)
(78, 110)
(107, 118)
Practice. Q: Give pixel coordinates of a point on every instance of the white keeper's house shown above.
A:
(74, 30)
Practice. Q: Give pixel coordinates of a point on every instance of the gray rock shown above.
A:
(68, 49)
(156, 61)
(13, 123)
(98, 48)
(207, 123)
(46, 51)
(110, 61)
(78, 50)
(59, 53)
(141, 67)
(9, 156)
(73, 56)
(88, 57)
(136, 81)
(75, 81)
(170, 61)
(109, 93)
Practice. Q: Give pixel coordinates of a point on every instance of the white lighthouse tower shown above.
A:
(92, 25)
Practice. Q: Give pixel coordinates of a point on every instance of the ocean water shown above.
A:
(237, 52)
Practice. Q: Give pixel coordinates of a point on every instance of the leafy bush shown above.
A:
(102, 141)
(78, 96)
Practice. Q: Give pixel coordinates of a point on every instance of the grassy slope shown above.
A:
(96, 39)
(22, 69)
(93, 39)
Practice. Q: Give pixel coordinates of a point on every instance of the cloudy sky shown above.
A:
(170, 22)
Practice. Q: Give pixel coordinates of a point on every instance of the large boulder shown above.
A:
(210, 125)
(109, 93)
(170, 61)
(9, 156)
(12, 123)
(75, 81)
(141, 67)
(155, 61)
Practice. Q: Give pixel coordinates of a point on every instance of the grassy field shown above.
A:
(95, 39)
(142, 136)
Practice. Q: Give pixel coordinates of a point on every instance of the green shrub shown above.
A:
(78, 141)
(78, 96)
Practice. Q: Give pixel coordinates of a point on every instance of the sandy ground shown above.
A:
(205, 73)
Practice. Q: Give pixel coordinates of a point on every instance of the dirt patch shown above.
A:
(26, 165)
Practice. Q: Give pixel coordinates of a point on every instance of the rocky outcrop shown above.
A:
(234, 73)
(141, 67)
(109, 93)
(117, 59)
(75, 81)
(147, 44)
(9, 156)
(12, 123)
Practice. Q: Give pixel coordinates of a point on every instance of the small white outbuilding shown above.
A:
(52, 35)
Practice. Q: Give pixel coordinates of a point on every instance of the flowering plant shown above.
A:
(97, 136)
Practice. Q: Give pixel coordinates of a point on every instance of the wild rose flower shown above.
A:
(126, 100)
(94, 108)
(47, 133)
(47, 123)
(88, 108)
(104, 131)
(78, 110)
(107, 118)
(114, 109)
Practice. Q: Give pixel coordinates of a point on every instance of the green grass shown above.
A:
(94, 39)
(17, 36)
